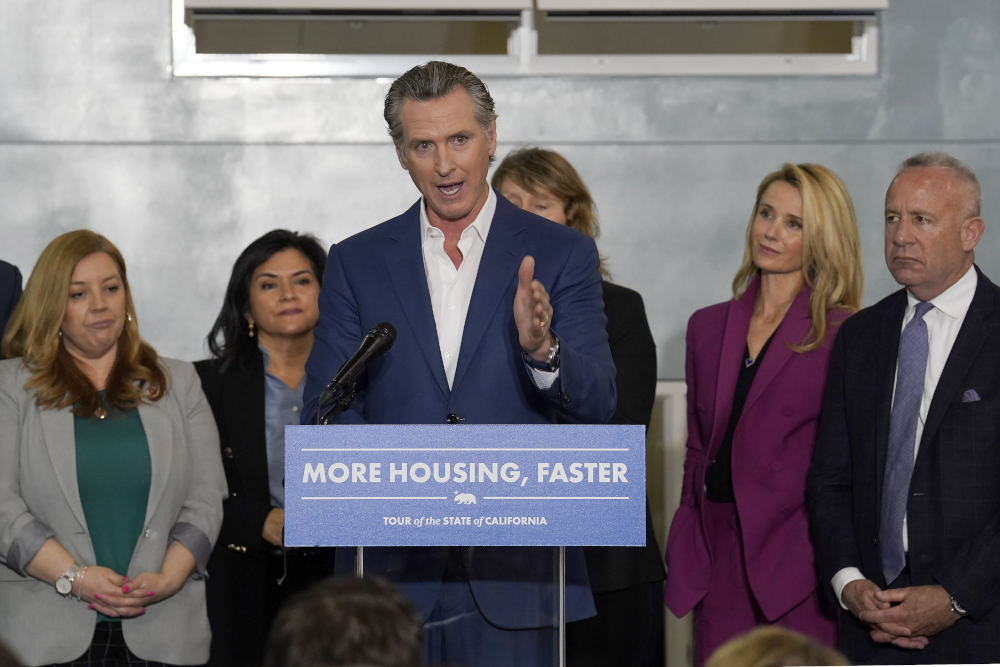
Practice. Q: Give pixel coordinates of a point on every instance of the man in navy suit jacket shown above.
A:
(10, 292)
(500, 320)
(911, 422)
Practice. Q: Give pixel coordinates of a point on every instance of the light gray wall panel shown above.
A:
(182, 173)
(181, 214)
(99, 70)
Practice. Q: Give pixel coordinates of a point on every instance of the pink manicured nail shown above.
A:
(143, 611)
(124, 589)
(150, 594)
(126, 578)
(90, 606)
(96, 595)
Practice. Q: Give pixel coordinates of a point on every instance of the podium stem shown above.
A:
(562, 606)
(359, 563)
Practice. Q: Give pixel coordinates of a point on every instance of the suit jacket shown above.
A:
(771, 451)
(237, 605)
(954, 504)
(634, 354)
(39, 499)
(378, 275)
(10, 292)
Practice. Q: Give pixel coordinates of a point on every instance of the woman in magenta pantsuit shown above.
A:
(739, 552)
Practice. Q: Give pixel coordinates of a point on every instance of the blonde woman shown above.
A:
(111, 485)
(738, 552)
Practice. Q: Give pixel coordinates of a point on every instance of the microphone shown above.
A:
(376, 342)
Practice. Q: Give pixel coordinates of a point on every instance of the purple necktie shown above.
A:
(902, 438)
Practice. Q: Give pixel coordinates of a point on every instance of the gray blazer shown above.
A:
(39, 499)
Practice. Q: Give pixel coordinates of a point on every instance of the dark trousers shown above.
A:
(243, 602)
(626, 632)
(108, 649)
(457, 633)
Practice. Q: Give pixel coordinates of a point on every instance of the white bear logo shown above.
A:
(465, 498)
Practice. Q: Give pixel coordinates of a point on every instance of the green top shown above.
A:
(113, 471)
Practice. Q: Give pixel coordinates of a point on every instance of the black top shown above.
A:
(10, 292)
(719, 479)
(634, 353)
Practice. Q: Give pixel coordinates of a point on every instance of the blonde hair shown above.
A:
(539, 171)
(33, 335)
(773, 646)
(831, 246)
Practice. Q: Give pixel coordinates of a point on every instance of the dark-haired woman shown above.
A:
(627, 582)
(254, 382)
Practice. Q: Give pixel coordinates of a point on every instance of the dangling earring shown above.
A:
(129, 316)
(251, 330)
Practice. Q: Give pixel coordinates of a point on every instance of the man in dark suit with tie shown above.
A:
(500, 320)
(10, 292)
(904, 490)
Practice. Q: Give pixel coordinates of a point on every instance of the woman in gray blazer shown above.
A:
(111, 485)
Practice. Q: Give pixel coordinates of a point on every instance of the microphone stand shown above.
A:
(343, 401)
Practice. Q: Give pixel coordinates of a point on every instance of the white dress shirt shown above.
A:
(451, 288)
(944, 321)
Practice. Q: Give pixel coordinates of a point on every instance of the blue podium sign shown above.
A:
(465, 485)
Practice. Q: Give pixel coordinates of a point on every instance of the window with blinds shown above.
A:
(526, 37)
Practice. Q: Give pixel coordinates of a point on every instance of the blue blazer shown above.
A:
(378, 275)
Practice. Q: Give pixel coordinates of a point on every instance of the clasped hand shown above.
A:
(905, 617)
(117, 596)
(532, 312)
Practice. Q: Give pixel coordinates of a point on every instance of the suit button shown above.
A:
(228, 452)
(454, 419)
(232, 547)
(776, 466)
(234, 494)
(148, 532)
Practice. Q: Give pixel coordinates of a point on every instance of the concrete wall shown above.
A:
(182, 173)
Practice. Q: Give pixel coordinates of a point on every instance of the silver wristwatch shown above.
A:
(64, 584)
(553, 357)
(957, 608)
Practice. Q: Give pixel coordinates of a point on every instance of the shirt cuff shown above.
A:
(195, 541)
(844, 577)
(26, 546)
(543, 379)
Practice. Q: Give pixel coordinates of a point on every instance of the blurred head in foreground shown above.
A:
(773, 646)
(346, 621)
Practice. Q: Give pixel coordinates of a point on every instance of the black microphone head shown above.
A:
(385, 331)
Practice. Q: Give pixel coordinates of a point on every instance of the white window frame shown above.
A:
(522, 60)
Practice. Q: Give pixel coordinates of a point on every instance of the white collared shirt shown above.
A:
(451, 288)
(944, 321)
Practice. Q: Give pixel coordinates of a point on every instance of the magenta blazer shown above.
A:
(772, 450)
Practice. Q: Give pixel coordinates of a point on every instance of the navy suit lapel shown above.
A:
(964, 352)
(498, 267)
(892, 326)
(405, 264)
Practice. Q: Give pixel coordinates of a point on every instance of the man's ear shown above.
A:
(972, 231)
(402, 160)
(491, 137)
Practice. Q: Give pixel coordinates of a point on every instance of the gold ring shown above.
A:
(543, 322)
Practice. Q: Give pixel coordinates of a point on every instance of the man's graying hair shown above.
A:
(958, 168)
(430, 82)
